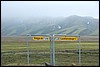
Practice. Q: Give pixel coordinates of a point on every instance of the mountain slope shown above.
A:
(72, 25)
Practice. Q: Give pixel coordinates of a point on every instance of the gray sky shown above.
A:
(28, 9)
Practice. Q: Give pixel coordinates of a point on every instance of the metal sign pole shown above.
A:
(52, 51)
(27, 48)
(79, 51)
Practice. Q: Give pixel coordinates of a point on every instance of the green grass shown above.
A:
(70, 29)
(78, 31)
(13, 52)
(66, 30)
(95, 32)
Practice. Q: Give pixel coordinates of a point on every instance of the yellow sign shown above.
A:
(66, 38)
(59, 38)
(40, 38)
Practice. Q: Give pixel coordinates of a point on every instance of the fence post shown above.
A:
(79, 51)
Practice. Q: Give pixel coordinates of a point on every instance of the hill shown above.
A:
(72, 25)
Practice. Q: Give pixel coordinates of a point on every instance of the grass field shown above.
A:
(14, 52)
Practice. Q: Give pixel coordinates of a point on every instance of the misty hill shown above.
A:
(72, 25)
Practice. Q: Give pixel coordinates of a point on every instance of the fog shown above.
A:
(28, 9)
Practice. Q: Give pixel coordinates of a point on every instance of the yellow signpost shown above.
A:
(59, 38)
(66, 38)
(52, 38)
(40, 38)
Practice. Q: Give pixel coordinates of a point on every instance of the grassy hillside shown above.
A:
(72, 25)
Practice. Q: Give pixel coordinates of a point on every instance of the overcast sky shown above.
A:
(28, 9)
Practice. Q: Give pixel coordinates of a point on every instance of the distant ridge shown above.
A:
(72, 25)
